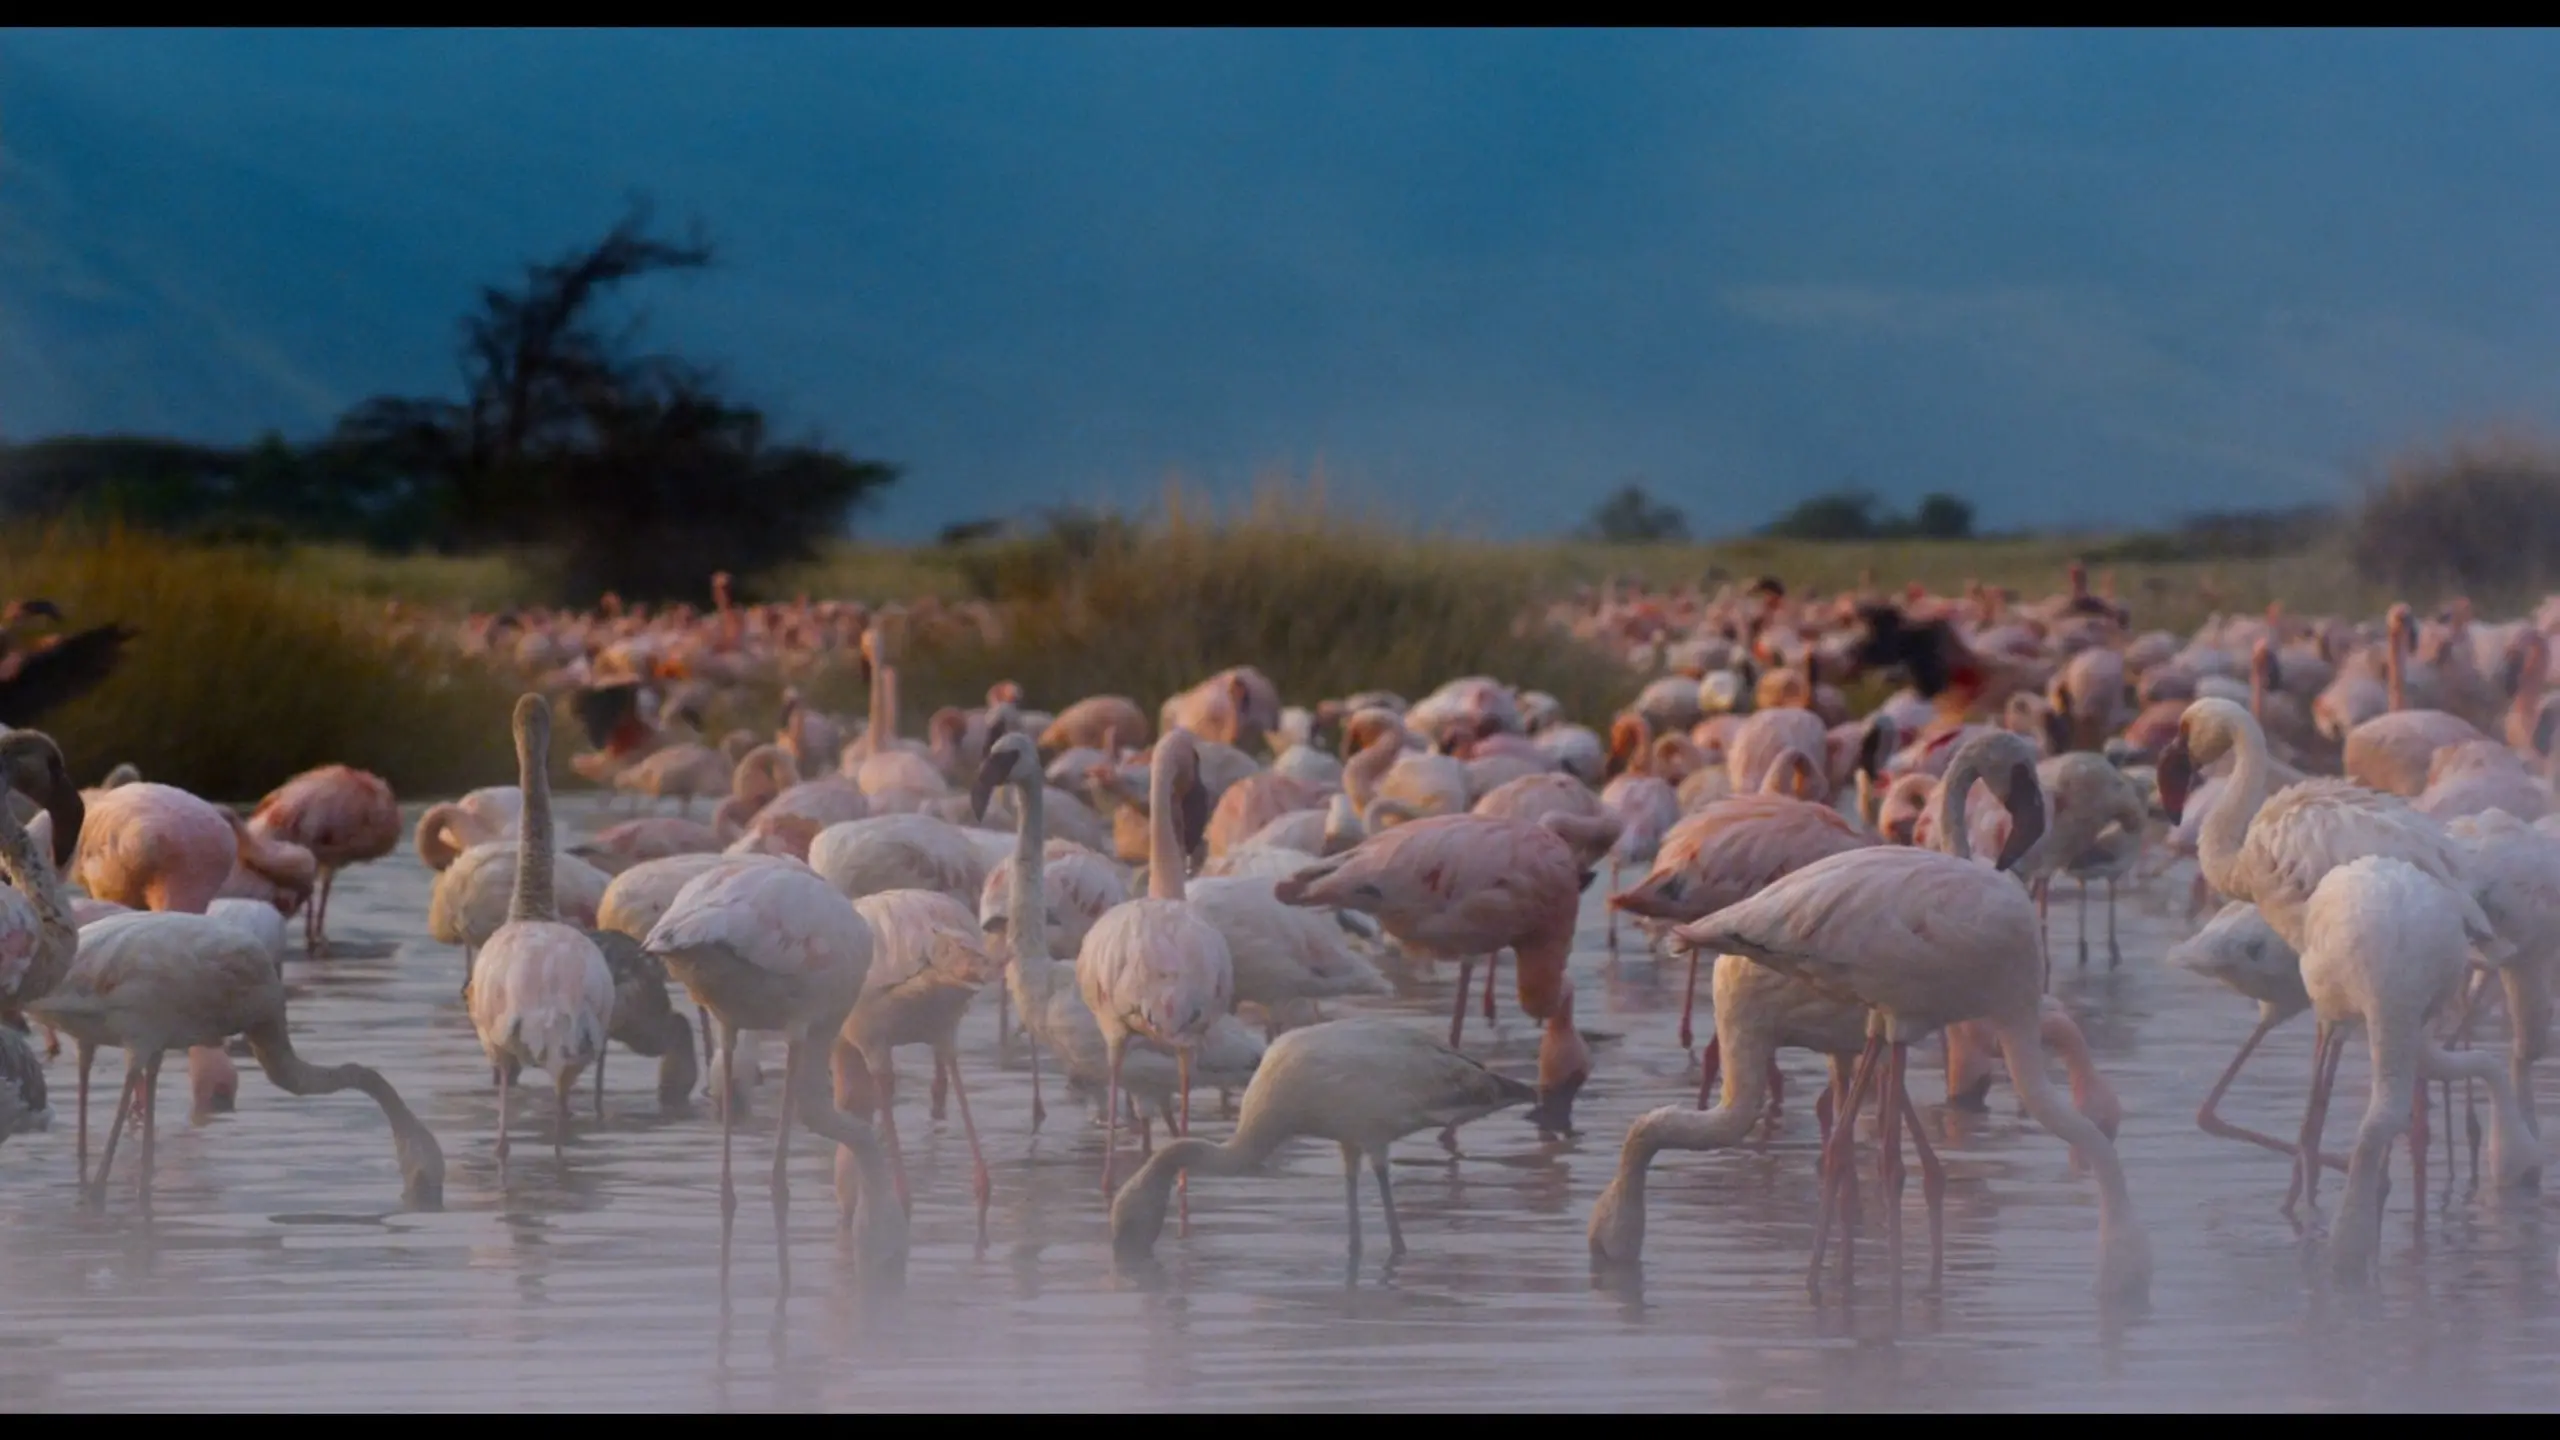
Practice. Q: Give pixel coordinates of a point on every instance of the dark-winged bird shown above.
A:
(38, 678)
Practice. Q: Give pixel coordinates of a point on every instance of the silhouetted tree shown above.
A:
(1632, 517)
(1840, 515)
(1943, 517)
(635, 466)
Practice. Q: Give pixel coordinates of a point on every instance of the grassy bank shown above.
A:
(245, 672)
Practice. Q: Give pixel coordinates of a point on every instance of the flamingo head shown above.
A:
(31, 764)
(1013, 760)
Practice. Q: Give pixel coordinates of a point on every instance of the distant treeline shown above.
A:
(635, 470)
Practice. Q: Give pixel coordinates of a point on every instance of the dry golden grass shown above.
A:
(244, 674)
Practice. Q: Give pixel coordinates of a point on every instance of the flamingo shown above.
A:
(343, 816)
(928, 958)
(2239, 948)
(540, 992)
(1155, 967)
(631, 906)
(473, 895)
(1053, 1010)
(2385, 944)
(151, 981)
(767, 946)
(449, 827)
(1728, 851)
(1363, 1083)
(1468, 885)
(1924, 940)
(22, 1095)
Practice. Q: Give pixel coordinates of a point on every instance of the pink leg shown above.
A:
(1111, 1128)
(2418, 1162)
(1182, 1183)
(1836, 1162)
(1889, 1102)
(941, 1093)
(1612, 938)
(1688, 1006)
(88, 1057)
(728, 1130)
(981, 1184)
(1710, 1062)
(1458, 1012)
(148, 1102)
(124, 1107)
(1039, 1112)
(884, 1084)
(1933, 1191)
(1492, 963)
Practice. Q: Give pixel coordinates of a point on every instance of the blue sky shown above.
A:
(2082, 278)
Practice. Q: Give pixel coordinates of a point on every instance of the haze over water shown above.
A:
(280, 1273)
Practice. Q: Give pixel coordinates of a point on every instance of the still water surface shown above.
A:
(281, 1272)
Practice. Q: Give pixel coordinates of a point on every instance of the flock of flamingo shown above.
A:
(1162, 903)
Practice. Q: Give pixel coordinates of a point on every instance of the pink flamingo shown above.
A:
(768, 945)
(343, 816)
(1469, 885)
(1152, 967)
(540, 993)
(1924, 940)
(156, 847)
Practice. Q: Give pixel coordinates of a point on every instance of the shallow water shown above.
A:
(279, 1270)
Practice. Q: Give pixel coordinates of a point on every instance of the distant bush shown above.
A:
(2224, 535)
(2481, 515)
(1632, 517)
(242, 676)
(1324, 606)
(1853, 515)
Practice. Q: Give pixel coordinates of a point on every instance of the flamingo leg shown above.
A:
(1387, 1201)
(1933, 1192)
(1111, 1127)
(1889, 1165)
(2115, 953)
(1612, 932)
(124, 1107)
(1458, 1012)
(1688, 1006)
(1835, 1163)
(1492, 963)
(88, 1055)
(1039, 1112)
(1351, 1193)
(2418, 1162)
(506, 1092)
(940, 1092)
(792, 1060)
(600, 1087)
(1710, 1062)
(318, 941)
(728, 1132)
(884, 1084)
(2212, 1123)
(2084, 924)
(1182, 1182)
(148, 1102)
(982, 1186)
(2330, 1049)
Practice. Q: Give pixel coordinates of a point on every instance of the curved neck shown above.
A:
(1137, 1213)
(421, 1159)
(1029, 925)
(2226, 825)
(1361, 775)
(2022, 1047)
(532, 899)
(884, 694)
(1165, 860)
(1955, 798)
(437, 844)
(31, 871)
